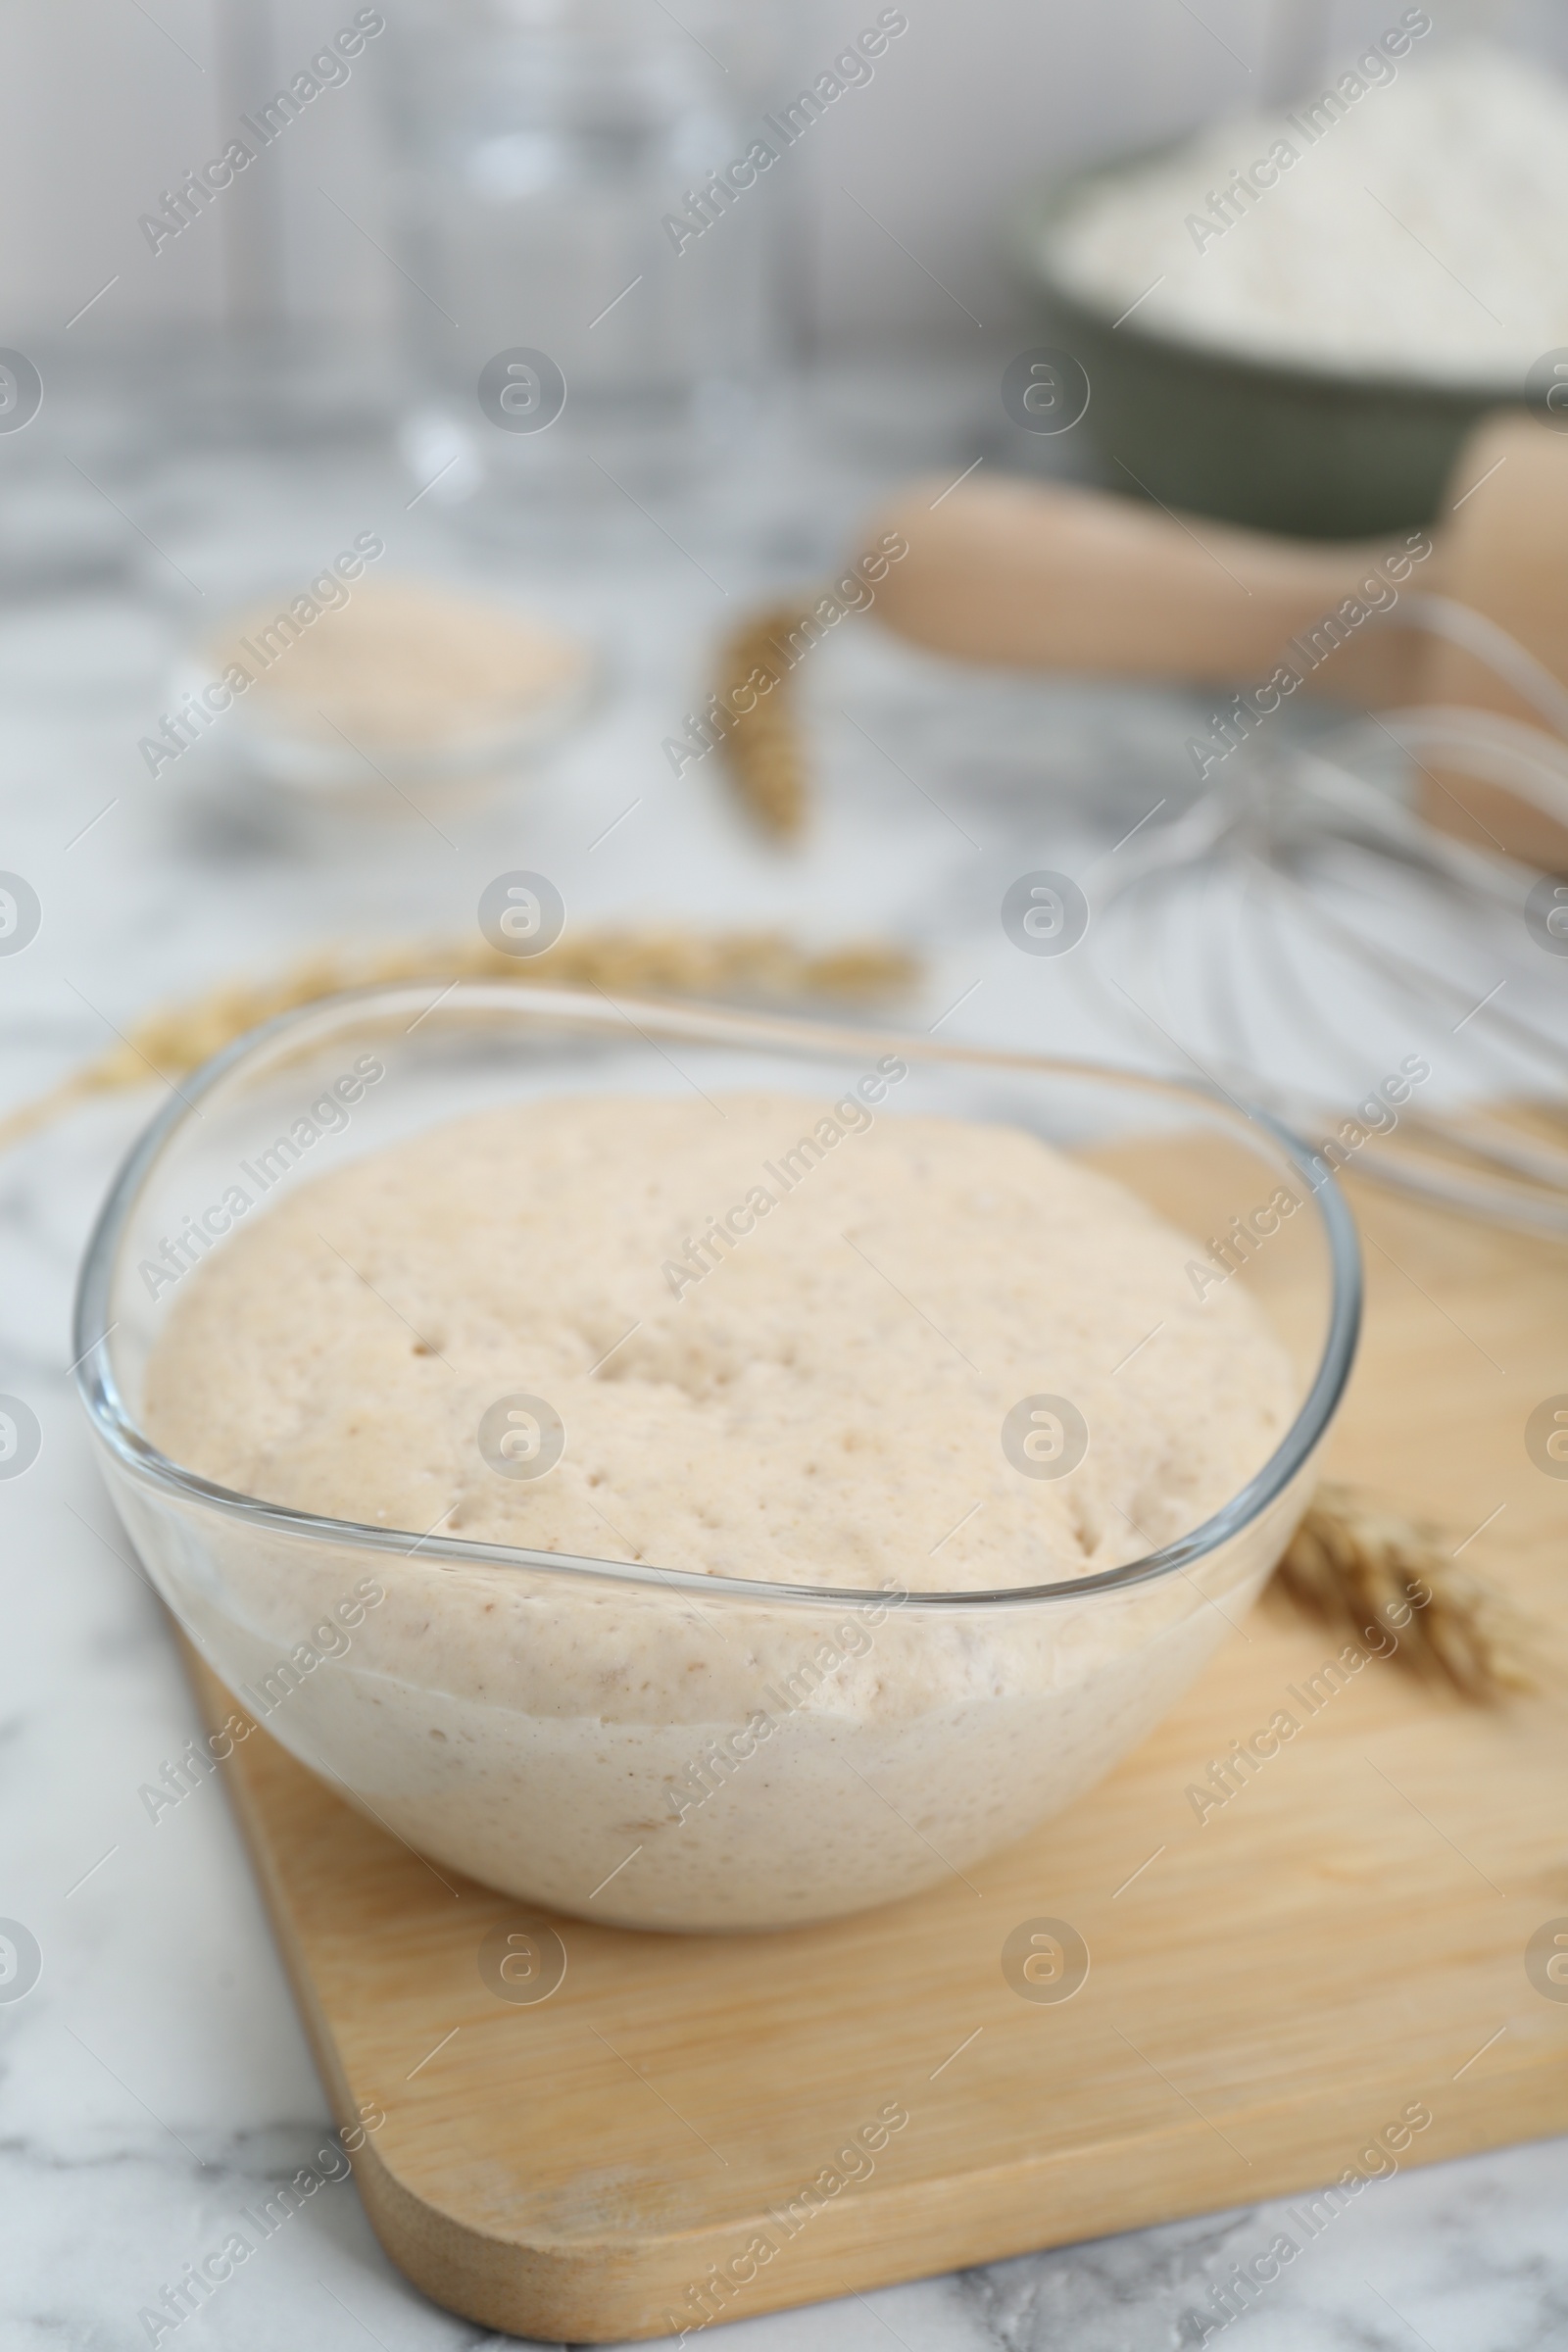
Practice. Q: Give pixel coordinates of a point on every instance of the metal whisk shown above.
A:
(1305, 937)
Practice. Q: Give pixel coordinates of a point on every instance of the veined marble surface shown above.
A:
(155, 2079)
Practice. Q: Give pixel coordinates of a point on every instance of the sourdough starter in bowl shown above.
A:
(768, 1340)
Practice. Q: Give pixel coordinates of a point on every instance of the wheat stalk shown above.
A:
(1362, 1564)
(757, 964)
(763, 747)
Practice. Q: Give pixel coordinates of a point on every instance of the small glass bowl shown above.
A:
(453, 751)
(865, 1742)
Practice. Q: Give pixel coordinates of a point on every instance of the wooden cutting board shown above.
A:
(1271, 1988)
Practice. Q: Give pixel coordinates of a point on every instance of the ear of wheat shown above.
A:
(762, 746)
(758, 966)
(1363, 1565)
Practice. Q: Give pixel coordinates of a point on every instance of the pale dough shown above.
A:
(823, 1405)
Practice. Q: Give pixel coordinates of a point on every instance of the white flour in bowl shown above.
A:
(823, 1406)
(1409, 218)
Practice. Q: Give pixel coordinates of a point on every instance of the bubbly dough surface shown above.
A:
(823, 1405)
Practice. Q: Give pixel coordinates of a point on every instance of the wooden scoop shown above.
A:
(1049, 576)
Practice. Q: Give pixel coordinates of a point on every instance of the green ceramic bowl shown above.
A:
(1323, 454)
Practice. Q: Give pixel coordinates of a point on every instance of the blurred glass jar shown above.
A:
(555, 324)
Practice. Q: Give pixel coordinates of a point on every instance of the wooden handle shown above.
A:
(1048, 576)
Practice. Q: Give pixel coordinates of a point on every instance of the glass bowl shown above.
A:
(365, 740)
(790, 1751)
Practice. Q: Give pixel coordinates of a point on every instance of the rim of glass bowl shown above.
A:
(701, 1024)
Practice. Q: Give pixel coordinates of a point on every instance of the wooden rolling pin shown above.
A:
(1049, 576)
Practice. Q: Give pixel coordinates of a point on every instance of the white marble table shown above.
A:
(156, 2077)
